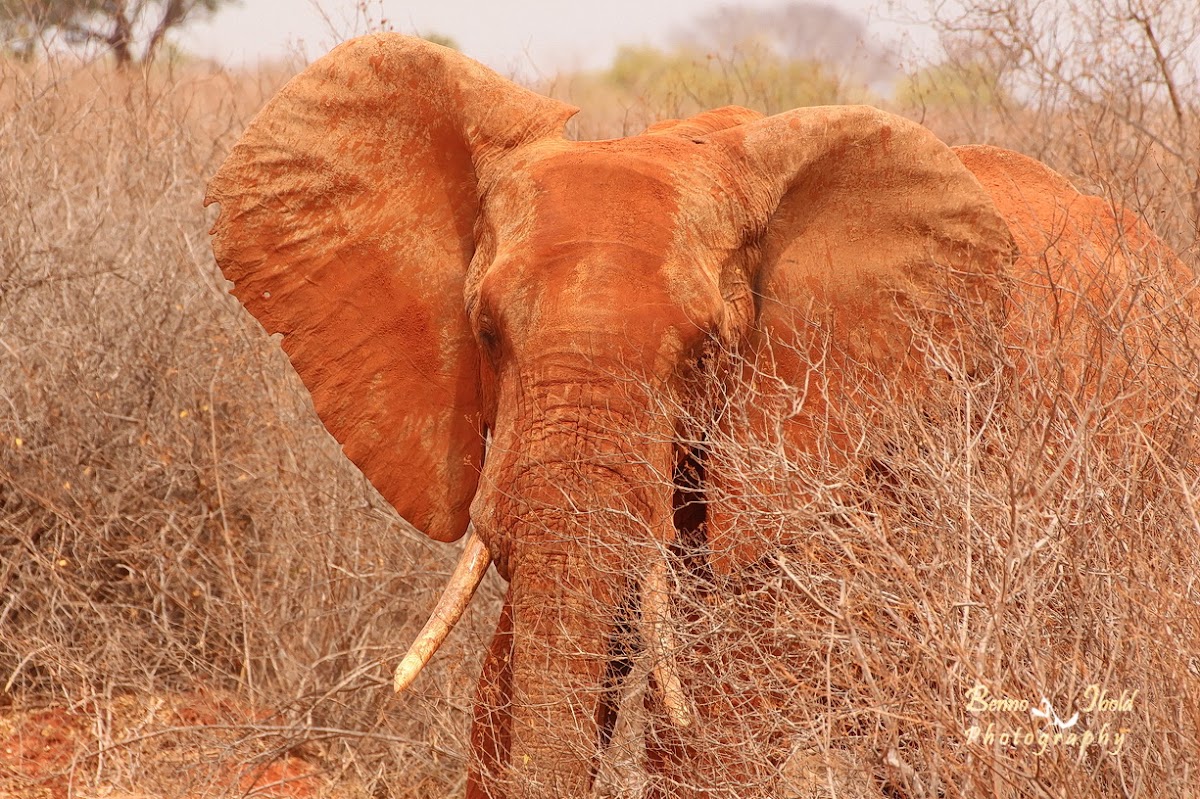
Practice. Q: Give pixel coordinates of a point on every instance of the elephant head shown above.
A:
(492, 318)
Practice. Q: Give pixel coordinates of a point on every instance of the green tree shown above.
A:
(115, 24)
(750, 73)
(442, 39)
(951, 85)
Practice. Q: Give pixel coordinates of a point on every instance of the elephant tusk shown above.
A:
(660, 640)
(468, 574)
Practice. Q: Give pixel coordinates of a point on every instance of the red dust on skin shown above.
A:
(885, 140)
(501, 247)
(1082, 266)
(355, 326)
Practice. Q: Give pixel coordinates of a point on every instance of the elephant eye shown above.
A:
(489, 336)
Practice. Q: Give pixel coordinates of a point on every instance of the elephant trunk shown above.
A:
(563, 626)
(576, 530)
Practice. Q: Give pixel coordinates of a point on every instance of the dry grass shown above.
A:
(172, 516)
(1037, 539)
(177, 531)
(1019, 534)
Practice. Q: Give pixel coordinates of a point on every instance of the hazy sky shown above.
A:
(523, 35)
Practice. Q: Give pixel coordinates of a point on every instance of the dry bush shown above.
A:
(646, 85)
(1103, 90)
(176, 526)
(173, 519)
(1026, 527)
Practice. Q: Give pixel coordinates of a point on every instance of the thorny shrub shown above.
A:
(1016, 539)
(174, 522)
(1023, 530)
(172, 516)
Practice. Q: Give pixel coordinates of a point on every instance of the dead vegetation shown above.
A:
(172, 516)
(199, 596)
(1034, 544)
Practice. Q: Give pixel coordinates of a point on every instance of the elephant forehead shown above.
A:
(604, 230)
(595, 195)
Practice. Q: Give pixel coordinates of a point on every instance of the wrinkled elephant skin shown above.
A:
(448, 270)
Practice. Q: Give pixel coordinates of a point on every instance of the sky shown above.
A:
(526, 36)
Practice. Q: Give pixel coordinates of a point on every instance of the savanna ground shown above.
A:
(199, 596)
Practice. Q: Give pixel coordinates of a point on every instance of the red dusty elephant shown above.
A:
(1102, 317)
(492, 319)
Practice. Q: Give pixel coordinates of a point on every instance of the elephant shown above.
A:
(503, 329)
(1099, 301)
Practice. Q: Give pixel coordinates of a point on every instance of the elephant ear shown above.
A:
(865, 221)
(347, 220)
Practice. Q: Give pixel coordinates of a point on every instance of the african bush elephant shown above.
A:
(496, 324)
(1098, 299)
